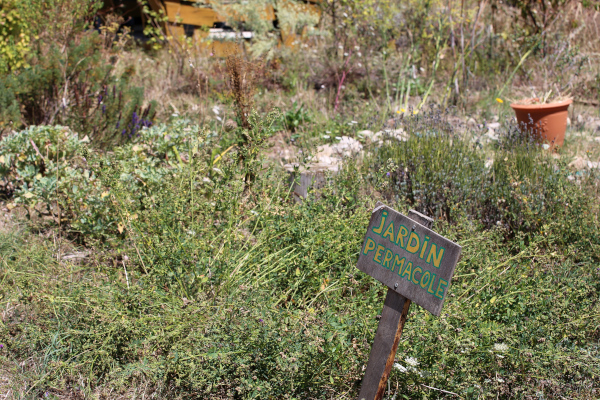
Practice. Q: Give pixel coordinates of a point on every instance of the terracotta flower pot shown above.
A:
(546, 122)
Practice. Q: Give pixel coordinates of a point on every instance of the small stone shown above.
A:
(492, 134)
(471, 123)
(494, 125)
(578, 163)
(366, 134)
(230, 125)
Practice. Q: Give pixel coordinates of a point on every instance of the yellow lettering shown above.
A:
(407, 271)
(369, 246)
(435, 255)
(432, 281)
(377, 257)
(389, 232)
(439, 293)
(424, 282)
(414, 238)
(402, 233)
(399, 263)
(380, 227)
(424, 247)
(387, 259)
(412, 278)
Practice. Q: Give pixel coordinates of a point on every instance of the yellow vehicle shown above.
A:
(200, 19)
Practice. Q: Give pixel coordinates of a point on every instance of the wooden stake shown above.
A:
(387, 338)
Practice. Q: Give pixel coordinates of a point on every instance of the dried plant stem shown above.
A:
(242, 76)
(343, 78)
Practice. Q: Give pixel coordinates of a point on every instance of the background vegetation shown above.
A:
(151, 243)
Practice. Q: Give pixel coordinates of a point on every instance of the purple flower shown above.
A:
(1, 346)
(260, 320)
(103, 108)
(388, 174)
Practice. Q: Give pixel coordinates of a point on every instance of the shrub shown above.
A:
(32, 160)
(14, 37)
(76, 88)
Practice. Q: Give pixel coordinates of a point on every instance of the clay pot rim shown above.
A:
(547, 106)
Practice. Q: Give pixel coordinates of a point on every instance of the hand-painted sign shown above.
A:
(409, 258)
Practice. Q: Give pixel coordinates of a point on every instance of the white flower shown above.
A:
(500, 347)
(400, 367)
(411, 361)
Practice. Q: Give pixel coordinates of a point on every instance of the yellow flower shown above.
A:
(416, 112)
(499, 100)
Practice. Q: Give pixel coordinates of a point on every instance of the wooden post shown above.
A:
(389, 331)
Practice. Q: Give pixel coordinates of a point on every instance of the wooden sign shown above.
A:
(417, 265)
(409, 258)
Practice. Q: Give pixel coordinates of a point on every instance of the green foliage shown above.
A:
(205, 287)
(519, 188)
(14, 37)
(32, 160)
(76, 88)
(296, 116)
(154, 29)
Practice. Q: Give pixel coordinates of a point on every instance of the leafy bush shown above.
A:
(32, 160)
(76, 88)
(14, 37)
(436, 172)
(296, 116)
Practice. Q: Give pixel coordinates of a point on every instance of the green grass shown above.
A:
(200, 287)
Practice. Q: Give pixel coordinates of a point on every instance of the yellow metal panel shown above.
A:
(185, 14)
(225, 48)
(199, 16)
